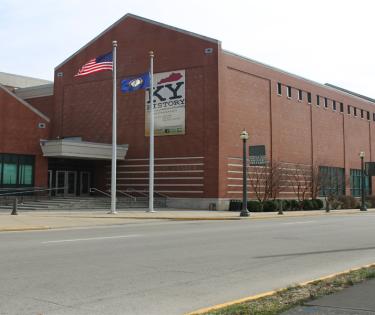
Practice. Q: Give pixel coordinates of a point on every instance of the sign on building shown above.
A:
(370, 168)
(169, 104)
(257, 155)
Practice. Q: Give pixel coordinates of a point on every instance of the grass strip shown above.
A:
(285, 299)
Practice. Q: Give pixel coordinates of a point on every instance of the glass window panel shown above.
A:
(9, 174)
(26, 174)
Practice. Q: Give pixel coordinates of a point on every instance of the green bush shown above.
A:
(370, 201)
(318, 204)
(254, 206)
(294, 205)
(235, 205)
(281, 204)
(269, 206)
(348, 202)
(286, 205)
(308, 205)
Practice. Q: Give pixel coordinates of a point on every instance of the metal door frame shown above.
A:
(66, 186)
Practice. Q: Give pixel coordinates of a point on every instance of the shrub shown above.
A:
(294, 205)
(235, 205)
(286, 205)
(318, 204)
(281, 204)
(254, 206)
(308, 205)
(370, 201)
(348, 202)
(269, 206)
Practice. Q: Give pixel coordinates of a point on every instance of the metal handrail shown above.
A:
(30, 191)
(138, 191)
(99, 191)
(127, 195)
(161, 195)
(157, 193)
(20, 188)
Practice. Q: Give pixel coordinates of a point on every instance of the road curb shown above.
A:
(33, 228)
(205, 218)
(269, 293)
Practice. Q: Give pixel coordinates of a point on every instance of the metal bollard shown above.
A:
(15, 203)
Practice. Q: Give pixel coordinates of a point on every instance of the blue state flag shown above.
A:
(136, 83)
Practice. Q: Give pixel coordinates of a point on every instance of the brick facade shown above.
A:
(20, 134)
(225, 93)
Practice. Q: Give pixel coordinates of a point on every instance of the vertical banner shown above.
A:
(169, 104)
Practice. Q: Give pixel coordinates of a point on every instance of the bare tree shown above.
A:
(299, 179)
(265, 180)
(316, 181)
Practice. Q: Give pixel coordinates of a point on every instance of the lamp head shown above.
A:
(362, 154)
(244, 135)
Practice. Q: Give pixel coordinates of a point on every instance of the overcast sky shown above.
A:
(322, 40)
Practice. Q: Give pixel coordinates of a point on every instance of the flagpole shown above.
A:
(151, 168)
(114, 134)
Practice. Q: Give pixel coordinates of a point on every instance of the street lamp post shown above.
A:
(363, 205)
(244, 212)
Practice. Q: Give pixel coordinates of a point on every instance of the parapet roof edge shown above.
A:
(29, 89)
(130, 15)
(370, 99)
(29, 106)
(340, 91)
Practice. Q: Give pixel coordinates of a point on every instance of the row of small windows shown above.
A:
(335, 105)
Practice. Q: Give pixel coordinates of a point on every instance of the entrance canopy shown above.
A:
(78, 149)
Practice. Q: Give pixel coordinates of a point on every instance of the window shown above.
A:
(309, 97)
(318, 100)
(362, 113)
(325, 102)
(355, 111)
(289, 91)
(16, 170)
(368, 115)
(373, 116)
(279, 91)
(356, 183)
(300, 95)
(341, 107)
(348, 109)
(332, 181)
(334, 105)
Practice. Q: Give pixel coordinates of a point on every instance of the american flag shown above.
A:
(101, 63)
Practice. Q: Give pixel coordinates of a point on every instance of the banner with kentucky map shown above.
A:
(169, 104)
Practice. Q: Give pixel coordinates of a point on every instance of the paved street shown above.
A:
(166, 267)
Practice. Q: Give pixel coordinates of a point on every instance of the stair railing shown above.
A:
(92, 189)
(22, 191)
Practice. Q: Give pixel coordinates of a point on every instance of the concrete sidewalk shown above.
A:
(42, 220)
(356, 300)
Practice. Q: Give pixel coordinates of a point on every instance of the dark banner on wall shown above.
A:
(257, 155)
(370, 168)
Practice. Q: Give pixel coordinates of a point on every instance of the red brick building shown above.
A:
(300, 122)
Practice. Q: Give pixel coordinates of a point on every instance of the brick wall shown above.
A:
(19, 133)
(293, 130)
(83, 105)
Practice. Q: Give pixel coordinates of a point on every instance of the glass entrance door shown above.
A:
(71, 183)
(66, 183)
(60, 183)
(85, 183)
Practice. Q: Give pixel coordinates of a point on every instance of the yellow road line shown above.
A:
(269, 293)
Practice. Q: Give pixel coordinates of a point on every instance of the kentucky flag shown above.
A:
(136, 83)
